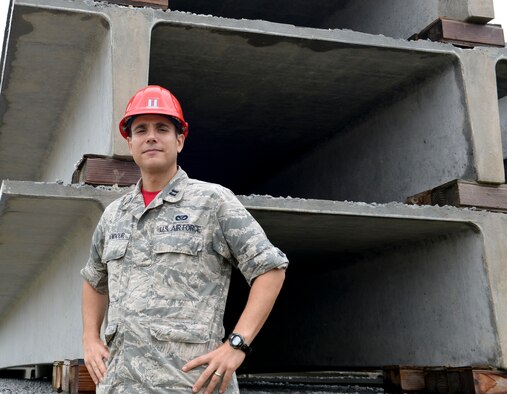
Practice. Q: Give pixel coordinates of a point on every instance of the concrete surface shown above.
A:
(405, 146)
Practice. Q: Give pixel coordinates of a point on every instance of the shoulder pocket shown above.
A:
(179, 243)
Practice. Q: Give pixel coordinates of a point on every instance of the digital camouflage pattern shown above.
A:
(166, 268)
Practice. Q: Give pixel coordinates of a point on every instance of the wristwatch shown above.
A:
(238, 342)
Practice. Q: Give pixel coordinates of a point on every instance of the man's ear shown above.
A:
(181, 142)
(129, 142)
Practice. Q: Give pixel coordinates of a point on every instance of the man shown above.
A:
(160, 266)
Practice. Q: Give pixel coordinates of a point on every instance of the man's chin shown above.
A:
(154, 167)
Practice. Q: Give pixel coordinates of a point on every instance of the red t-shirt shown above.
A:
(148, 196)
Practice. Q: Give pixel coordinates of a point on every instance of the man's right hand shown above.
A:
(95, 355)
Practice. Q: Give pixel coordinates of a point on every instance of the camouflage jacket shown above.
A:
(166, 267)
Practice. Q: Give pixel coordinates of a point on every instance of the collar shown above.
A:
(172, 192)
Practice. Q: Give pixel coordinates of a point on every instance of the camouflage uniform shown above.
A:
(166, 270)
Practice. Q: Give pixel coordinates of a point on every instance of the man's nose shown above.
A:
(151, 134)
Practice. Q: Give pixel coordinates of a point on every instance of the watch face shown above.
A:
(236, 340)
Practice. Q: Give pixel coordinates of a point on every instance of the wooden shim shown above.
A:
(490, 382)
(462, 33)
(460, 193)
(163, 4)
(103, 170)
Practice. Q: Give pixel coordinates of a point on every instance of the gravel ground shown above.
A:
(24, 386)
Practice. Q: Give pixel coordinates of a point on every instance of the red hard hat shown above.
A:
(156, 100)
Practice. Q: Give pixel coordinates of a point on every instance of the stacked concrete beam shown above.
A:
(323, 113)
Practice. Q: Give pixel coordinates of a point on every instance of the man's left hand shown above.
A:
(221, 364)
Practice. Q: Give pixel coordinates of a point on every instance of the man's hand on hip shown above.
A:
(221, 364)
(95, 354)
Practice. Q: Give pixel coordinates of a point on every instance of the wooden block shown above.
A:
(412, 379)
(404, 379)
(66, 376)
(460, 193)
(163, 4)
(56, 383)
(391, 376)
(423, 198)
(86, 384)
(490, 382)
(449, 380)
(76, 378)
(460, 380)
(103, 170)
(462, 33)
(70, 376)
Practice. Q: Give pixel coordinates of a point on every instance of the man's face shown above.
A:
(154, 144)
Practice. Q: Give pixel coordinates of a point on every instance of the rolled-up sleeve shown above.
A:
(239, 236)
(95, 271)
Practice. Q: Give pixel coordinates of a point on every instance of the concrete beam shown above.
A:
(476, 11)
(480, 85)
(378, 301)
(130, 51)
(400, 277)
(45, 232)
(303, 71)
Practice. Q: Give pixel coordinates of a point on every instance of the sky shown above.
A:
(501, 13)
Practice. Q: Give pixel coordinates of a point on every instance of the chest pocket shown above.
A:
(187, 244)
(114, 250)
(177, 272)
(113, 254)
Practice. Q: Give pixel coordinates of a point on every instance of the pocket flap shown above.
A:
(187, 332)
(114, 250)
(185, 244)
(110, 332)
